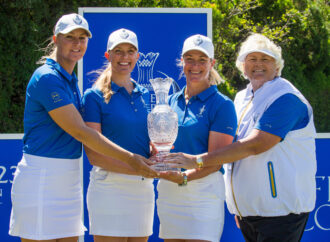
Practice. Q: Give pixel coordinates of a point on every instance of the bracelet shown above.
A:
(199, 162)
(185, 179)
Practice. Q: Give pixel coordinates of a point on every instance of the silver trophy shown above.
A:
(162, 122)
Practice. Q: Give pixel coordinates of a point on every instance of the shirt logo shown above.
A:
(77, 19)
(268, 126)
(144, 103)
(198, 40)
(56, 97)
(124, 34)
(201, 111)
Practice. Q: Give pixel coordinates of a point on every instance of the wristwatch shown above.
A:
(199, 162)
(185, 179)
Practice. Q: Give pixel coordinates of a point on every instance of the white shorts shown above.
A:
(194, 211)
(46, 199)
(120, 205)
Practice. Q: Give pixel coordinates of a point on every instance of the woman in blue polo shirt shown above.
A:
(120, 201)
(194, 210)
(46, 191)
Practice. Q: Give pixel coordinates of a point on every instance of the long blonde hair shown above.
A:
(49, 51)
(103, 82)
(215, 78)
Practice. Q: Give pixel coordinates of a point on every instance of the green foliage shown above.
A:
(300, 27)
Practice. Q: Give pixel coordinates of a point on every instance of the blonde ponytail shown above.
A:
(103, 83)
(214, 77)
(49, 51)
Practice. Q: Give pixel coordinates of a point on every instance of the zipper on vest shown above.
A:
(272, 179)
(233, 164)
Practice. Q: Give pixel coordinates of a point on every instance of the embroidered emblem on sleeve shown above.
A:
(56, 97)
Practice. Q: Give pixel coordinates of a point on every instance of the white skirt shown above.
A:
(194, 211)
(120, 205)
(46, 199)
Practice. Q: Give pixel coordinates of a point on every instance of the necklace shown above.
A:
(186, 96)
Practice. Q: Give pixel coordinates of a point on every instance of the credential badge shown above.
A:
(198, 40)
(124, 34)
(77, 19)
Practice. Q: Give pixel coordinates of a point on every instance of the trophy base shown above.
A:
(160, 165)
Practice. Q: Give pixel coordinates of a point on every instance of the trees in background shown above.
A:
(300, 27)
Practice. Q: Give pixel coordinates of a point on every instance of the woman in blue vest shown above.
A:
(270, 183)
(191, 203)
(120, 201)
(46, 191)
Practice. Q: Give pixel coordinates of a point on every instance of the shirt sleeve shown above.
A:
(285, 114)
(225, 119)
(91, 107)
(51, 92)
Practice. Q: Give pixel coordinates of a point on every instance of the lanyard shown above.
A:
(233, 164)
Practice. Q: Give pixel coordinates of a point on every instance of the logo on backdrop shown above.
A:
(6, 179)
(320, 215)
(145, 65)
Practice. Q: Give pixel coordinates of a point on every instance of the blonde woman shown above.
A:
(46, 192)
(120, 201)
(191, 203)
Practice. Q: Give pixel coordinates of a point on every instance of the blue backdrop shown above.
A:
(317, 229)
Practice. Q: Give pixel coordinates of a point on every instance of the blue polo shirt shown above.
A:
(208, 111)
(124, 119)
(285, 114)
(50, 87)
